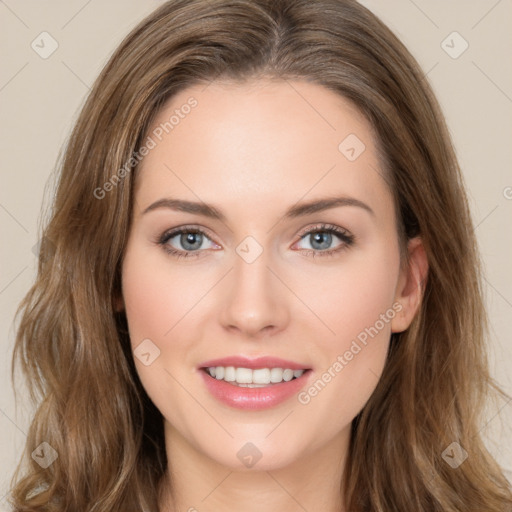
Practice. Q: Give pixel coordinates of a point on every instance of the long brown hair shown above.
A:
(73, 346)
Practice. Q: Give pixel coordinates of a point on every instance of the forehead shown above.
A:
(260, 142)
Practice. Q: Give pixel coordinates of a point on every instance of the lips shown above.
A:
(254, 398)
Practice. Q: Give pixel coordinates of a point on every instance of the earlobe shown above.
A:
(411, 285)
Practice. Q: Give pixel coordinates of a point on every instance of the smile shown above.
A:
(261, 388)
(246, 377)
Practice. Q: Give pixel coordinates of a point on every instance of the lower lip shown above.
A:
(253, 398)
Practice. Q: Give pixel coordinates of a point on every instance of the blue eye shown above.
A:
(192, 239)
(321, 238)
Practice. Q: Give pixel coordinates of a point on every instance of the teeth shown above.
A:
(245, 377)
(261, 376)
(287, 375)
(229, 373)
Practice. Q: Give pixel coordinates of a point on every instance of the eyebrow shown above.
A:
(295, 211)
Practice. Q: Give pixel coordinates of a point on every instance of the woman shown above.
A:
(191, 353)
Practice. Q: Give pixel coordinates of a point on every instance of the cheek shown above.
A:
(356, 303)
(156, 298)
(160, 302)
(351, 296)
(147, 310)
(155, 309)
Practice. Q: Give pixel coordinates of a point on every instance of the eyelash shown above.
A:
(346, 238)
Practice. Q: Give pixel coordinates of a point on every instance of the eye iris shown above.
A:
(322, 236)
(187, 241)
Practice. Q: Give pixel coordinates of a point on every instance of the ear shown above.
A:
(411, 285)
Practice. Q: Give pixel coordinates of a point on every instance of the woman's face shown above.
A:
(265, 271)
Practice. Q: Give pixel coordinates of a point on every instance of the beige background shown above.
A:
(40, 99)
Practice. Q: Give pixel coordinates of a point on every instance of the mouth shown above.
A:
(255, 384)
(253, 378)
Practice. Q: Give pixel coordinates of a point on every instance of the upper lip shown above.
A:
(254, 363)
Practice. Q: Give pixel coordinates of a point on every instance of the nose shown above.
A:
(255, 299)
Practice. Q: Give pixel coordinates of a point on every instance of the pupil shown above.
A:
(187, 241)
(317, 237)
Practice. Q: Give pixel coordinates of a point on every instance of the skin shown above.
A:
(253, 151)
